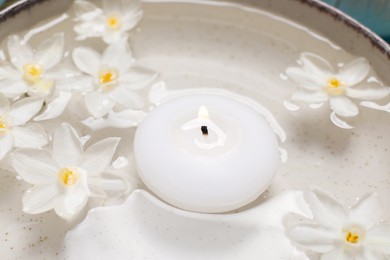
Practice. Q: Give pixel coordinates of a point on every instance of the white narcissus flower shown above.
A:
(36, 73)
(14, 129)
(110, 23)
(336, 233)
(113, 78)
(66, 178)
(319, 83)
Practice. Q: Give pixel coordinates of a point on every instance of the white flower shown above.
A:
(112, 77)
(111, 23)
(339, 234)
(319, 83)
(14, 132)
(66, 178)
(36, 73)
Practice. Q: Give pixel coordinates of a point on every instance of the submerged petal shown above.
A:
(51, 51)
(313, 237)
(118, 55)
(138, 78)
(98, 104)
(124, 119)
(306, 80)
(40, 198)
(20, 53)
(6, 144)
(326, 209)
(127, 97)
(354, 72)
(55, 107)
(343, 106)
(368, 94)
(378, 239)
(4, 104)
(316, 65)
(87, 60)
(72, 201)
(35, 166)
(25, 109)
(310, 97)
(67, 149)
(30, 136)
(98, 157)
(86, 11)
(367, 212)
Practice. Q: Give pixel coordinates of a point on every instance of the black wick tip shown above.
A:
(205, 130)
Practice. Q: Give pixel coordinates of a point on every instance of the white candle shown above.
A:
(206, 153)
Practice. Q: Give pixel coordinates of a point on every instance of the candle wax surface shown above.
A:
(220, 171)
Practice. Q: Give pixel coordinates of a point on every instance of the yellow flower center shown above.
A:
(113, 22)
(68, 176)
(3, 125)
(108, 77)
(33, 73)
(352, 237)
(335, 87)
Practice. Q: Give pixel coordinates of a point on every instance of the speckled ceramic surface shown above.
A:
(243, 47)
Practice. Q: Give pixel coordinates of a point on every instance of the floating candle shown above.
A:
(206, 153)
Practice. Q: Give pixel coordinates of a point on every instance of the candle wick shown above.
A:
(205, 130)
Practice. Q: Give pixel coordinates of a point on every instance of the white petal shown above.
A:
(40, 198)
(6, 144)
(354, 72)
(98, 157)
(23, 110)
(125, 119)
(98, 104)
(86, 11)
(93, 28)
(118, 55)
(339, 122)
(312, 237)
(13, 87)
(127, 97)
(35, 166)
(8, 72)
(326, 209)
(73, 201)
(374, 105)
(316, 65)
(310, 97)
(82, 83)
(138, 78)
(378, 239)
(343, 106)
(110, 6)
(4, 104)
(67, 150)
(132, 6)
(368, 94)
(132, 19)
(87, 60)
(338, 253)
(51, 51)
(305, 80)
(20, 53)
(30, 136)
(367, 212)
(55, 108)
(370, 255)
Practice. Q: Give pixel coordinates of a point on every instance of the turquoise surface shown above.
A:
(375, 14)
